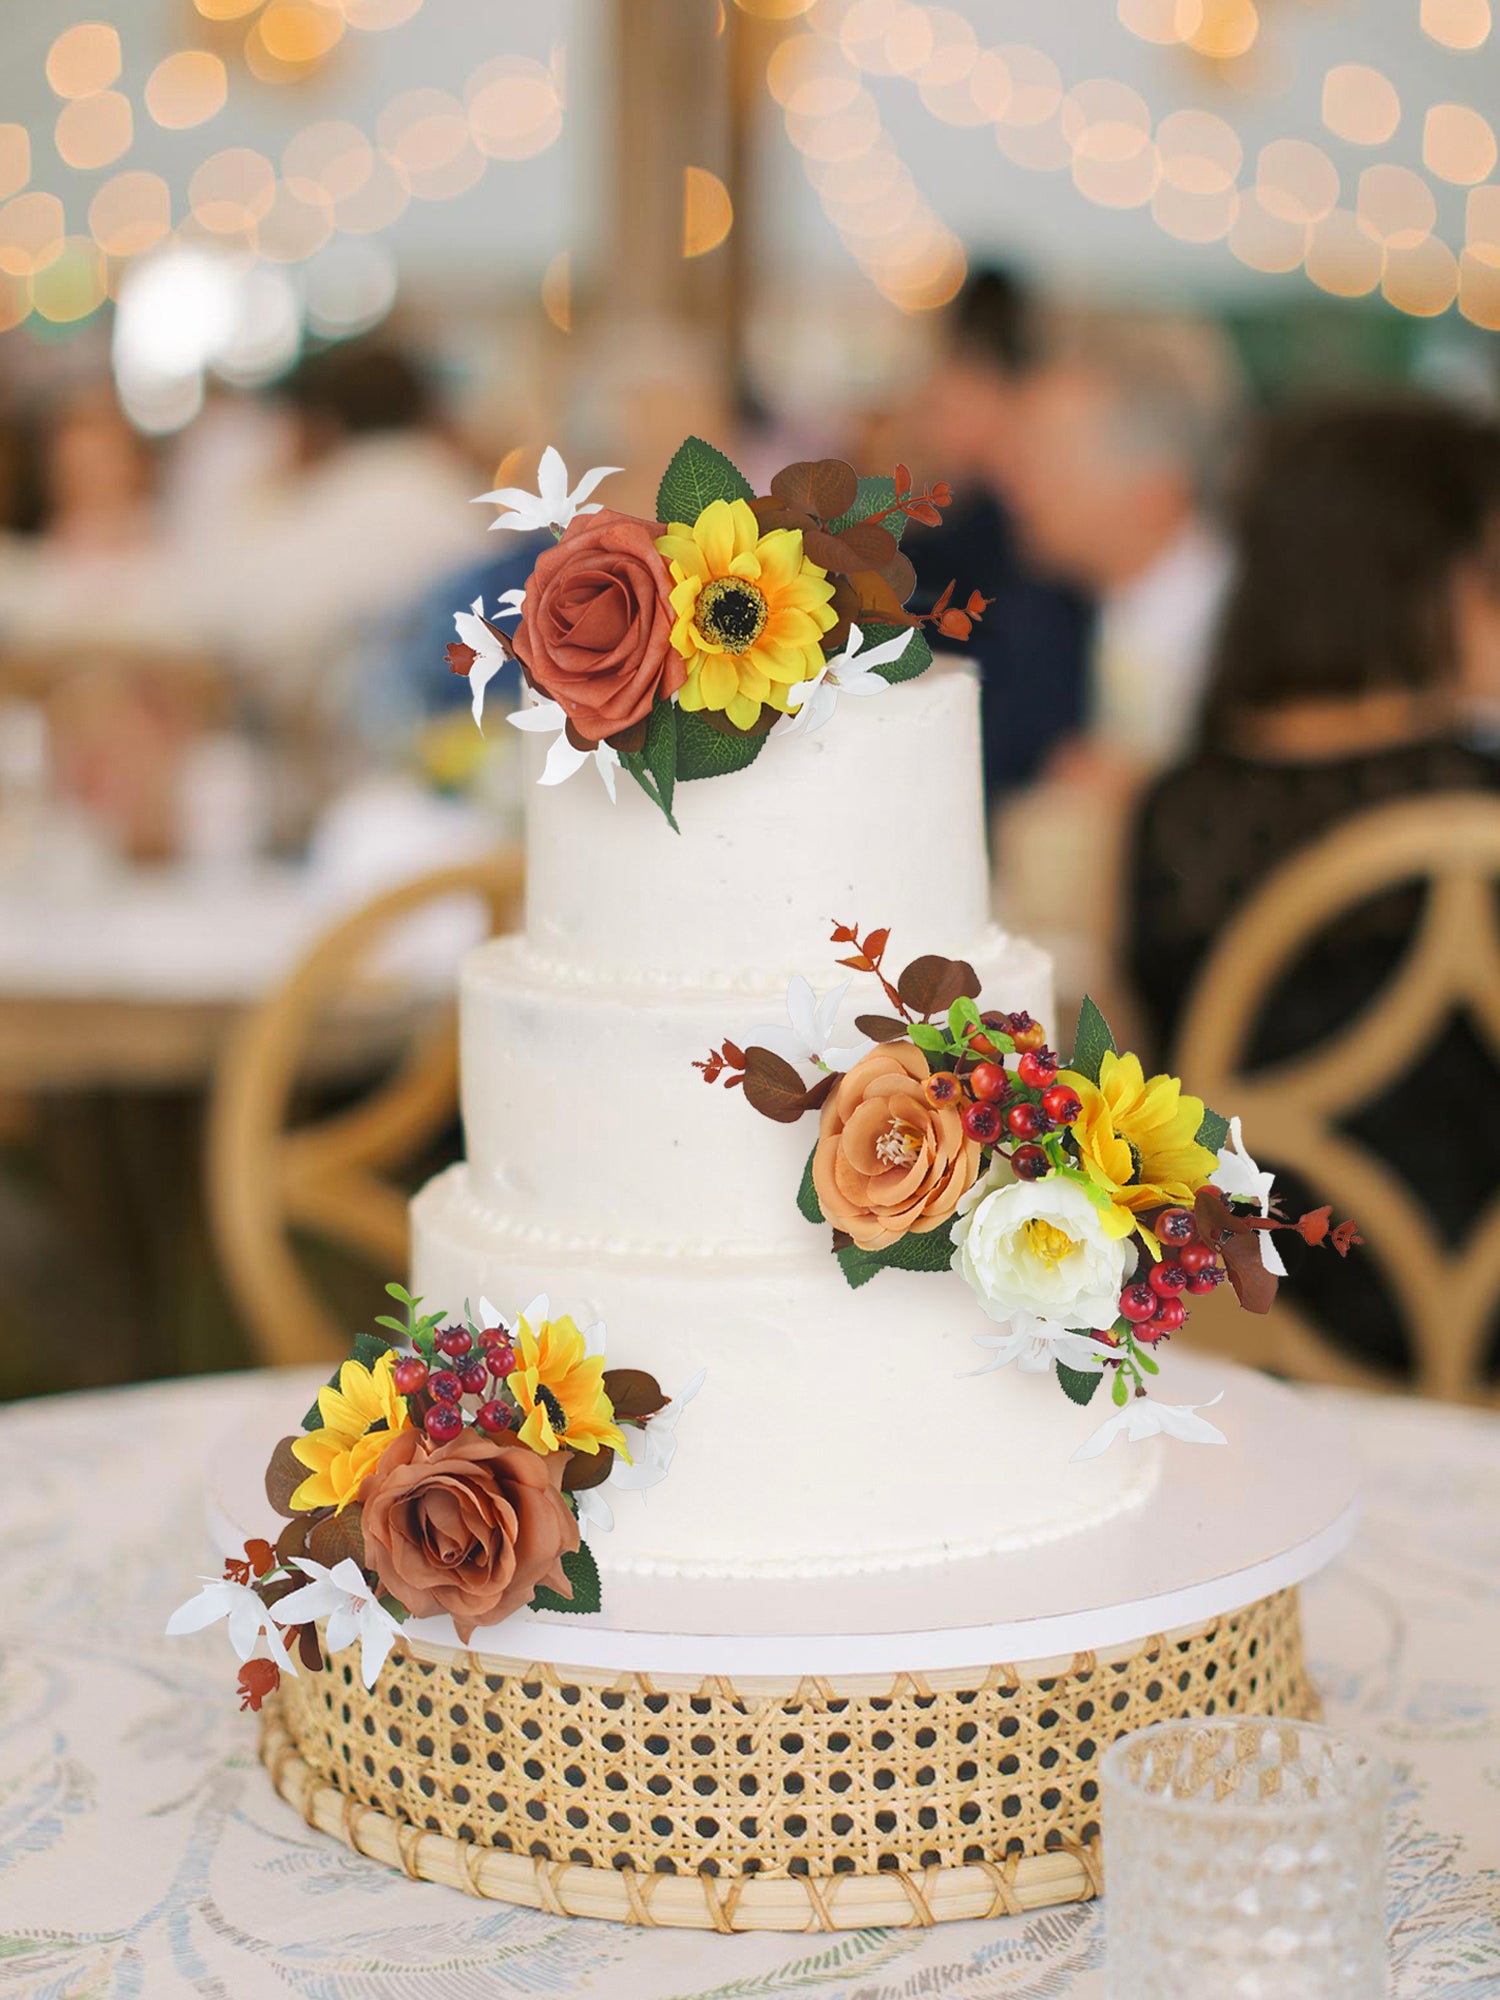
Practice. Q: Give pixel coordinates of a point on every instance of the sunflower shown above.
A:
(1137, 1139)
(360, 1417)
(560, 1389)
(751, 610)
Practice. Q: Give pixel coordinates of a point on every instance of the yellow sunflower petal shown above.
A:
(780, 559)
(690, 694)
(746, 527)
(713, 531)
(679, 547)
(719, 679)
(742, 710)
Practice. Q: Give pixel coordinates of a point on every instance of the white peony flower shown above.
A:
(811, 703)
(809, 1033)
(1036, 1255)
(1237, 1174)
(345, 1599)
(553, 506)
(1140, 1417)
(564, 758)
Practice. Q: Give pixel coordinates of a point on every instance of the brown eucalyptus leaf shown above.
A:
(880, 1027)
(292, 1541)
(283, 1476)
(633, 738)
(931, 984)
(578, 741)
(871, 546)
(878, 603)
(1254, 1285)
(899, 574)
(337, 1536)
(772, 513)
(842, 1240)
(763, 724)
(826, 487)
(774, 1087)
(822, 1089)
(634, 1393)
(585, 1469)
(309, 1649)
(506, 645)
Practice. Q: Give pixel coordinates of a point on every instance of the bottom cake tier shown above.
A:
(726, 1804)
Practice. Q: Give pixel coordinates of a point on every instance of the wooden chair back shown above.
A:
(1447, 1295)
(330, 1178)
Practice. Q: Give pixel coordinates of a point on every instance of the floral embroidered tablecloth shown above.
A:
(143, 1852)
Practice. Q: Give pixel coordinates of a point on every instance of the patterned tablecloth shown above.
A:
(143, 1852)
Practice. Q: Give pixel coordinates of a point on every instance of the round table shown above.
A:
(143, 1851)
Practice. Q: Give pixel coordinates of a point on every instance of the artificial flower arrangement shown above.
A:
(1086, 1205)
(673, 649)
(451, 1471)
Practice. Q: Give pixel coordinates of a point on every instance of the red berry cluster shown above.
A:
(1154, 1304)
(437, 1394)
(996, 1104)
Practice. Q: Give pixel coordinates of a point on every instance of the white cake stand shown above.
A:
(905, 1749)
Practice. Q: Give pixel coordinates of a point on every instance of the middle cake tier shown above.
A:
(588, 1127)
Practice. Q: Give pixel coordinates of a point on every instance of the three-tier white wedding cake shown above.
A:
(836, 1432)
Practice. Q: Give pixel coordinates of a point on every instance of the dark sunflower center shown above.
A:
(731, 612)
(1135, 1161)
(557, 1416)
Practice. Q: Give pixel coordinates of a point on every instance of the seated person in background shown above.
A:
(1032, 644)
(1119, 435)
(1364, 590)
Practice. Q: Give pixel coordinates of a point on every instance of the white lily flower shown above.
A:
(345, 1599)
(1143, 1418)
(1035, 1344)
(811, 703)
(652, 1449)
(552, 505)
(489, 654)
(249, 1621)
(564, 758)
(1237, 1174)
(492, 1316)
(808, 1036)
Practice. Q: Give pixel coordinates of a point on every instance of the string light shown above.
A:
(186, 89)
(231, 191)
(1395, 206)
(130, 214)
(1341, 257)
(1457, 24)
(93, 132)
(1421, 278)
(84, 59)
(515, 108)
(1458, 145)
(1360, 105)
(1296, 181)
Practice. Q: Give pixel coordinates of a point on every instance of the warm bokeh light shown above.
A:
(1457, 24)
(327, 162)
(130, 214)
(812, 76)
(1265, 239)
(1482, 224)
(226, 10)
(1296, 181)
(15, 301)
(1035, 85)
(1478, 291)
(231, 191)
(93, 132)
(775, 10)
(1422, 280)
(1458, 145)
(1395, 206)
(867, 29)
(1360, 104)
(1194, 215)
(299, 32)
(424, 134)
(1108, 127)
(1226, 29)
(72, 284)
(1200, 153)
(292, 229)
(376, 205)
(515, 109)
(707, 212)
(843, 137)
(186, 89)
(84, 59)
(557, 295)
(1341, 258)
(1164, 21)
(376, 16)
(31, 233)
(15, 159)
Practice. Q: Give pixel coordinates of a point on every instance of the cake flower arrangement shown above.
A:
(676, 648)
(1085, 1204)
(449, 1471)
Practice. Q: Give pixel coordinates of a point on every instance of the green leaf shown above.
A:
(1214, 1131)
(661, 751)
(1092, 1043)
(397, 1609)
(931, 1041)
(906, 666)
(696, 476)
(400, 1292)
(1079, 1384)
(367, 1350)
(1080, 1179)
(703, 752)
(870, 497)
(932, 1251)
(582, 1572)
(961, 1015)
(633, 763)
(1147, 1361)
(807, 1194)
(1120, 1393)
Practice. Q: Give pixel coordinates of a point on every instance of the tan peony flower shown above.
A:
(470, 1527)
(887, 1162)
(596, 634)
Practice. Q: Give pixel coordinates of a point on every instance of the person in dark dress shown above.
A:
(1366, 578)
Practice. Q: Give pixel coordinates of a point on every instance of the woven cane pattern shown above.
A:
(813, 1780)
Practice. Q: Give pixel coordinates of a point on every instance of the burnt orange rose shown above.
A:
(887, 1162)
(596, 634)
(470, 1527)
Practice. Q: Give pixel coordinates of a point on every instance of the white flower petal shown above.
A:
(378, 1631)
(538, 718)
(606, 763)
(343, 1624)
(563, 759)
(589, 481)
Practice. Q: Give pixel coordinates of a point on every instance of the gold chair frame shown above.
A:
(328, 1177)
(1447, 1298)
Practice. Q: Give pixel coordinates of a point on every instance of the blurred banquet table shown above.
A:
(143, 1851)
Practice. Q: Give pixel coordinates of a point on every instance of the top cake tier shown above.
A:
(876, 818)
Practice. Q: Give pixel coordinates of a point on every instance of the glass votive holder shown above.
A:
(1244, 1859)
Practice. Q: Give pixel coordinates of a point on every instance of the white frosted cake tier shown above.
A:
(876, 818)
(835, 1433)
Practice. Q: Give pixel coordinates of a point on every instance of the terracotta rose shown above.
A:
(596, 634)
(887, 1162)
(470, 1527)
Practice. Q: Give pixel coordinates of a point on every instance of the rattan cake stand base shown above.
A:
(752, 1804)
